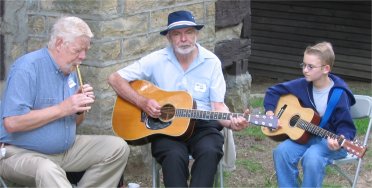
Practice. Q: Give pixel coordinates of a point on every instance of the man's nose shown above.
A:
(183, 37)
(83, 54)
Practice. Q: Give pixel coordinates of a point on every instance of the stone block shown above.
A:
(16, 51)
(229, 13)
(50, 20)
(137, 24)
(36, 25)
(207, 33)
(110, 28)
(89, 7)
(208, 45)
(122, 27)
(159, 19)
(210, 11)
(97, 77)
(237, 91)
(98, 119)
(234, 50)
(33, 6)
(140, 46)
(136, 6)
(247, 27)
(139, 162)
(34, 43)
(228, 33)
(105, 51)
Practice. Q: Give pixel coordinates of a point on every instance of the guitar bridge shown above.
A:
(281, 111)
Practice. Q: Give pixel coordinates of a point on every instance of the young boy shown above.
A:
(313, 91)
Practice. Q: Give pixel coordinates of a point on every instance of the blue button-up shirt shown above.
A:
(203, 79)
(36, 82)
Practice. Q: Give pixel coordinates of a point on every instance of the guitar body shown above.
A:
(130, 123)
(288, 110)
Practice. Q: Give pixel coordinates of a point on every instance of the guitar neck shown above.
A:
(261, 120)
(208, 115)
(318, 131)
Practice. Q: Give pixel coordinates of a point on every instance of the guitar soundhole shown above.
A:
(294, 120)
(168, 112)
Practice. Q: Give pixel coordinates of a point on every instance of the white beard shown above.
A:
(184, 50)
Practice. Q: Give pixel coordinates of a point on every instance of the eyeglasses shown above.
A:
(309, 66)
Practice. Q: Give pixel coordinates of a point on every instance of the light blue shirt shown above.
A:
(203, 79)
(35, 82)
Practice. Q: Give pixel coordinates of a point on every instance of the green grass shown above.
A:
(256, 102)
(252, 131)
(362, 90)
(251, 166)
(361, 125)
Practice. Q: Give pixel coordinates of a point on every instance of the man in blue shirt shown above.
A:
(187, 66)
(43, 103)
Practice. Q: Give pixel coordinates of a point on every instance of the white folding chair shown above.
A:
(361, 109)
(156, 177)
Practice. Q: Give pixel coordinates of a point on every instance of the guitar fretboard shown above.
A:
(317, 130)
(207, 115)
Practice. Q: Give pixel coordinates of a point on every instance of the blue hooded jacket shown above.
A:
(340, 121)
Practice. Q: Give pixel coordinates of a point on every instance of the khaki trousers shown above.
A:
(102, 157)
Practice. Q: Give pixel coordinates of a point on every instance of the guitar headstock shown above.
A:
(263, 120)
(354, 148)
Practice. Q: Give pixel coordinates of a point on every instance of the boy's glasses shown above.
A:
(309, 66)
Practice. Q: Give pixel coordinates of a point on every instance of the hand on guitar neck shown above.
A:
(333, 143)
(238, 123)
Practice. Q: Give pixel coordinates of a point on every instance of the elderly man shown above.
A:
(183, 65)
(41, 107)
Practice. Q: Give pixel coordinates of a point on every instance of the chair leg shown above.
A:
(357, 173)
(218, 178)
(155, 174)
(221, 174)
(2, 183)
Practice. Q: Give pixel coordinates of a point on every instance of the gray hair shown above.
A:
(68, 28)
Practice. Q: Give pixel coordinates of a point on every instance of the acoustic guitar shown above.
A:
(299, 124)
(177, 113)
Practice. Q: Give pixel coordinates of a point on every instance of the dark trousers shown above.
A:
(205, 146)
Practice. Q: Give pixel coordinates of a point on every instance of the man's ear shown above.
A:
(59, 43)
(168, 37)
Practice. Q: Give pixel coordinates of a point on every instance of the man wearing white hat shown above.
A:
(183, 65)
